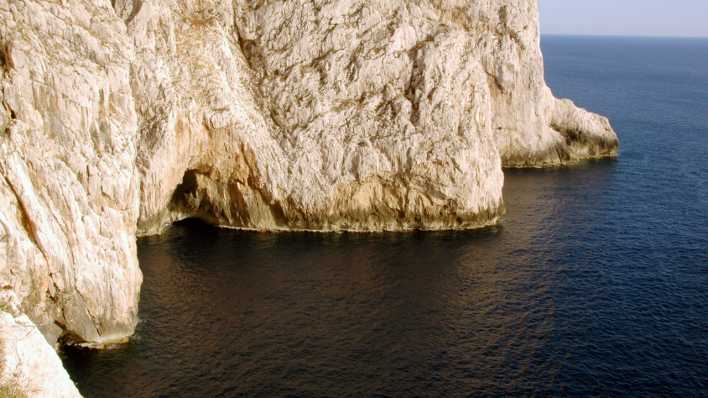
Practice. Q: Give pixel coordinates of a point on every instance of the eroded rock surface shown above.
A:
(119, 118)
(332, 116)
(68, 184)
(29, 366)
(343, 115)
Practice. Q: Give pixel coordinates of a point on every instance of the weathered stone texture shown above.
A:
(119, 118)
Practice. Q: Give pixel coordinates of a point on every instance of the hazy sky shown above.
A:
(625, 17)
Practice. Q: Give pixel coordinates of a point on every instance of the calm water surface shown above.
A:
(595, 284)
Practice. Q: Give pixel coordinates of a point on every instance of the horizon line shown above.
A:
(630, 36)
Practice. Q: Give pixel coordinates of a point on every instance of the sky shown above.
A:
(625, 17)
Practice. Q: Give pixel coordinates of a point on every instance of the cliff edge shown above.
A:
(119, 118)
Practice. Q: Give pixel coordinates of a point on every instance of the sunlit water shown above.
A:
(595, 284)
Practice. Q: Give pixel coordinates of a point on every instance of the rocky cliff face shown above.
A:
(120, 117)
(343, 115)
(68, 184)
(299, 116)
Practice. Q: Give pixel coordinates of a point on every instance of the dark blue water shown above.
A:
(595, 284)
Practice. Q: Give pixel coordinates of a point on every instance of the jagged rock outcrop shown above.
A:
(119, 118)
(29, 366)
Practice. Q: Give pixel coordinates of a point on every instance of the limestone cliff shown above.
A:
(253, 117)
(343, 115)
(68, 184)
(118, 118)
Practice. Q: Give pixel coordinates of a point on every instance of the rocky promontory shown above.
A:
(118, 118)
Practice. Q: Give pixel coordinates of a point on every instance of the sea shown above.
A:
(594, 284)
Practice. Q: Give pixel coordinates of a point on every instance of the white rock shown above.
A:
(343, 115)
(29, 366)
(118, 118)
(68, 183)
